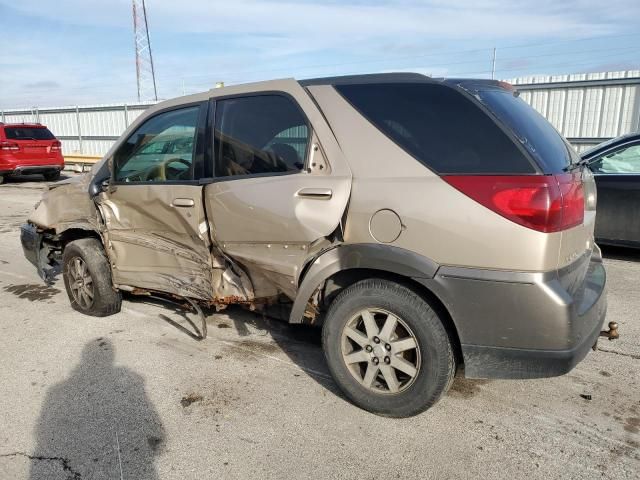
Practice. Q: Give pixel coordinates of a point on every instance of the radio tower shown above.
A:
(145, 74)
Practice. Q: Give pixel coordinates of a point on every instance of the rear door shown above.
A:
(281, 184)
(617, 174)
(156, 226)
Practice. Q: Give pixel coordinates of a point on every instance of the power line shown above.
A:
(218, 75)
(242, 77)
(486, 50)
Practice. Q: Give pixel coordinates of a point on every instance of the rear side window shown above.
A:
(260, 134)
(28, 133)
(439, 127)
(534, 132)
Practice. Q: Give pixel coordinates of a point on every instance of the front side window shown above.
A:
(161, 149)
(262, 134)
(624, 160)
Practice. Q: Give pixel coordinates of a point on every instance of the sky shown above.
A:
(79, 52)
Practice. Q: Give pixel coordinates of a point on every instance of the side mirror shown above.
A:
(97, 186)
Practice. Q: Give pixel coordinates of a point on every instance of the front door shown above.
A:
(617, 175)
(157, 236)
(281, 185)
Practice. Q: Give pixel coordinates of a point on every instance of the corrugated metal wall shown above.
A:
(88, 130)
(586, 108)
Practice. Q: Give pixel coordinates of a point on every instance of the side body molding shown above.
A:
(362, 255)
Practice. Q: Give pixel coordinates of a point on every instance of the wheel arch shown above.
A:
(76, 232)
(344, 265)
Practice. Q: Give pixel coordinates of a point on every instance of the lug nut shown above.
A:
(387, 360)
(376, 361)
(368, 348)
(387, 347)
(376, 339)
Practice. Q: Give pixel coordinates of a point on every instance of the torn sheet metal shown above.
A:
(66, 205)
(156, 245)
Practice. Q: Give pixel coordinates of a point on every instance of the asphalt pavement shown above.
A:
(136, 396)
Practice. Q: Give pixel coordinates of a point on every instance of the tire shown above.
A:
(2, 179)
(50, 177)
(430, 356)
(87, 256)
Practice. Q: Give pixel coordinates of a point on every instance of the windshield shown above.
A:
(550, 150)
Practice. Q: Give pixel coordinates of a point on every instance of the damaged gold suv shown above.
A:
(427, 225)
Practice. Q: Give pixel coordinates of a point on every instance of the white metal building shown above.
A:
(586, 108)
(88, 130)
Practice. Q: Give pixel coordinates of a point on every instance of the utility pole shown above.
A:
(493, 65)
(145, 74)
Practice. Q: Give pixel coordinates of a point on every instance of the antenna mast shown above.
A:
(145, 74)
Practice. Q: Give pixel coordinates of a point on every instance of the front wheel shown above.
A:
(387, 348)
(87, 279)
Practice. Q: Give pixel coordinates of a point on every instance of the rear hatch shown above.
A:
(575, 196)
(482, 139)
(32, 145)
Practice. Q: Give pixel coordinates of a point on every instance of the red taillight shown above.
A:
(56, 146)
(9, 146)
(546, 203)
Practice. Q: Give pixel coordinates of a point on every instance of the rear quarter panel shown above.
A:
(438, 221)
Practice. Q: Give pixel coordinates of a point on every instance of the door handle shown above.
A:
(183, 202)
(317, 193)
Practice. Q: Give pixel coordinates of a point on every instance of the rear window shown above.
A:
(533, 131)
(439, 127)
(28, 133)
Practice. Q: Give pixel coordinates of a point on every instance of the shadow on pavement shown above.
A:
(97, 423)
(301, 343)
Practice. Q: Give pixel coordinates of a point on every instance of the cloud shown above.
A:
(85, 47)
(321, 20)
(42, 84)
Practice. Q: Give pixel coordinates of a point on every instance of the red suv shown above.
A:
(29, 148)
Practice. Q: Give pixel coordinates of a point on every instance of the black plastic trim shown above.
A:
(363, 255)
(515, 363)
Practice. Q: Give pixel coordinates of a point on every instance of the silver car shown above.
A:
(427, 225)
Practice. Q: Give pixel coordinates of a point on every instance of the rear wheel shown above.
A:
(387, 348)
(87, 279)
(51, 176)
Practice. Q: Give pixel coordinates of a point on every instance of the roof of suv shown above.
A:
(27, 125)
(397, 77)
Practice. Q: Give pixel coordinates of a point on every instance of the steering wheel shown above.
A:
(159, 172)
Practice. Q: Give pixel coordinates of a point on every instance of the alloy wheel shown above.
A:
(380, 351)
(80, 282)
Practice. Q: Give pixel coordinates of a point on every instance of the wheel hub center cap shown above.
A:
(379, 351)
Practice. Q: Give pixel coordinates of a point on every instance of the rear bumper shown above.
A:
(521, 324)
(30, 169)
